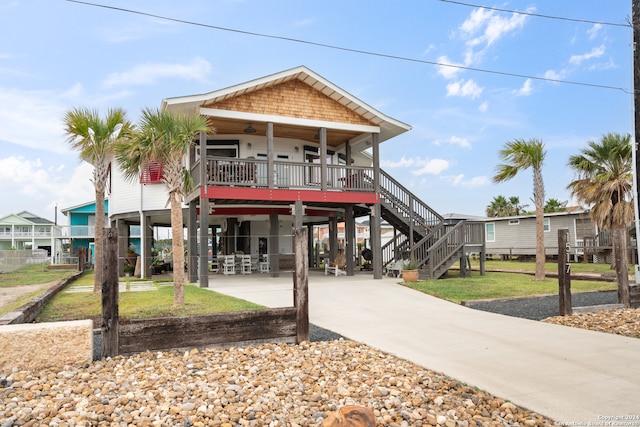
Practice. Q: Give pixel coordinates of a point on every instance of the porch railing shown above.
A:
(226, 172)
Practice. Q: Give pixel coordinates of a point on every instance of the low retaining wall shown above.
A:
(28, 312)
(234, 328)
(45, 345)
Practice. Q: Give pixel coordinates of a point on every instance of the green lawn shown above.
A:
(33, 275)
(500, 285)
(68, 305)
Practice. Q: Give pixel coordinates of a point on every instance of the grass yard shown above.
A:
(68, 305)
(499, 285)
(33, 274)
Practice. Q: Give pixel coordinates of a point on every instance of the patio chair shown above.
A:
(245, 264)
(263, 265)
(395, 269)
(337, 267)
(229, 265)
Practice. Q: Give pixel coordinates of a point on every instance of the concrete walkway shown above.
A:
(567, 374)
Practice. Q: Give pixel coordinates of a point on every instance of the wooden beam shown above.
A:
(109, 329)
(301, 284)
(374, 230)
(203, 264)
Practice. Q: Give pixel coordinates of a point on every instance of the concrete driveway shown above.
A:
(567, 374)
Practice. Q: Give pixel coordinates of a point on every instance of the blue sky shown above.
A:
(56, 55)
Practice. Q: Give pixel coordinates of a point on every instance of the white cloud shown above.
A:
(432, 167)
(553, 75)
(303, 22)
(447, 71)
(460, 181)
(593, 31)
(464, 88)
(32, 119)
(146, 74)
(484, 107)
(41, 185)
(422, 166)
(455, 140)
(596, 52)
(525, 90)
(485, 27)
(402, 163)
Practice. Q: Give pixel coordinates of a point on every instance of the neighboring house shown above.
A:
(285, 140)
(82, 228)
(28, 231)
(516, 235)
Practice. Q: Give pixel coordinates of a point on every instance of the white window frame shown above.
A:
(514, 222)
(486, 231)
(547, 225)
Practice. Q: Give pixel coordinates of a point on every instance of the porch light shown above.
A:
(249, 129)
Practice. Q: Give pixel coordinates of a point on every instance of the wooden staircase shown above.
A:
(424, 235)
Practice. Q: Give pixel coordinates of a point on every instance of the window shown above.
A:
(151, 173)
(547, 225)
(490, 232)
(514, 221)
(220, 148)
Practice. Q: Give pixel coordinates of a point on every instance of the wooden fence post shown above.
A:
(301, 284)
(110, 328)
(564, 273)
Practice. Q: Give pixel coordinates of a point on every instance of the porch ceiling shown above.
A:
(226, 126)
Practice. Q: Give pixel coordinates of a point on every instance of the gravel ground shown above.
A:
(538, 308)
(266, 385)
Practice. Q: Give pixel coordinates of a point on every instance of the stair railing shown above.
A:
(398, 198)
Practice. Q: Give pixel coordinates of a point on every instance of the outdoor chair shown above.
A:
(229, 265)
(337, 267)
(263, 265)
(245, 264)
(395, 269)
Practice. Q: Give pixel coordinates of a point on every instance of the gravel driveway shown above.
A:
(538, 308)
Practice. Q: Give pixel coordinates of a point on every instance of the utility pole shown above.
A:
(635, 22)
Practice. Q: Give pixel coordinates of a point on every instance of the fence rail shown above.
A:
(11, 260)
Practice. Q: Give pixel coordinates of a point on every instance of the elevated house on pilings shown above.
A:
(290, 149)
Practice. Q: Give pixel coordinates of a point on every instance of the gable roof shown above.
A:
(24, 218)
(88, 207)
(295, 100)
(34, 218)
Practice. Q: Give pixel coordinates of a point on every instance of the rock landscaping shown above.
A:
(620, 322)
(266, 385)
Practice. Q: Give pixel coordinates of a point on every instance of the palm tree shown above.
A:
(163, 138)
(518, 156)
(498, 207)
(554, 205)
(515, 208)
(95, 138)
(604, 181)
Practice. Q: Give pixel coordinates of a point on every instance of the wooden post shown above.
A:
(274, 245)
(622, 264)
(349, 239)
(564, 273)
(301, 284)
(192, 243)
(203, 262)
(109, 329)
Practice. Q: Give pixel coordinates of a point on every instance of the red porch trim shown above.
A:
(218, 210)
(283, 195)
